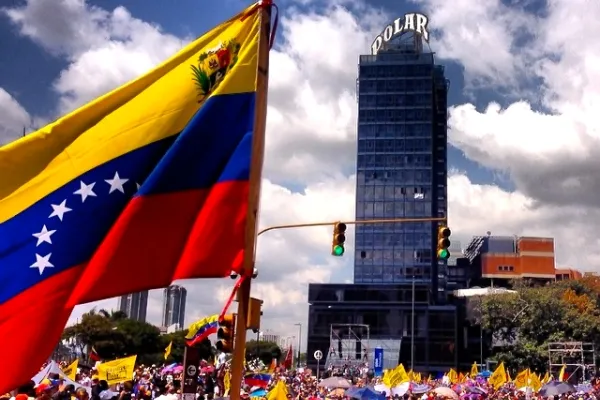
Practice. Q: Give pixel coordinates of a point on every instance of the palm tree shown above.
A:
(113, 315)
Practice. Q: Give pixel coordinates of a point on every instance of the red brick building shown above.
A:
(495, 260)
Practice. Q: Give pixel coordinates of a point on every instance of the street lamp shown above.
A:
(299, 325)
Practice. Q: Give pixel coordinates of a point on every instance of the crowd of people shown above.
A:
(159, 383)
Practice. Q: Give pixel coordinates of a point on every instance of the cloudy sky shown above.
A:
(524, 120)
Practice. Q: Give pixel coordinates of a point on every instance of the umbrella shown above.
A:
(401, 389)
(459, 387)
(485, 374)
(339, 392)
(476, 390)
(259, 393)
(584, 388)
(556, 389)
(366, 393)
(351, 390)
(381, 388)
(169, 368)
(335, 382)
(446, 392)
(420, 389)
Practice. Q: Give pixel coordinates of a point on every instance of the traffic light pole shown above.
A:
(243, 295)
(361, 222)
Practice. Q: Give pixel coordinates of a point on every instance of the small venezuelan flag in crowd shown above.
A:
(202, 329)
(258, 380)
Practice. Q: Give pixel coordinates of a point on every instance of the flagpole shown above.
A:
(257, 156)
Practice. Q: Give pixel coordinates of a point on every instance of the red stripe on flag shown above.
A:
(21, 318)
(200, 234)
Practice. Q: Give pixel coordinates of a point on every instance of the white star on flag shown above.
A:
(59, 210)
(116, 183)
(85, 191)
(41, 263)
(43, 236)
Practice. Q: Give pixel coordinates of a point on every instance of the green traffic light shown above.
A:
(338, 250)
(443, 254)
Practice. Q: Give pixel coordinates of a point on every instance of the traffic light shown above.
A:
(339, 237)
(443, 242)
(226, 334)
(254, 313)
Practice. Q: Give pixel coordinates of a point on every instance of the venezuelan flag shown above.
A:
(259, 380)
(202, 329)
(142, 186)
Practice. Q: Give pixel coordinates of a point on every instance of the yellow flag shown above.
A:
(71, 370)
(546, 378)
(117, 371)
(561, 374)
(535, 383)
(227, 382)
(386, 378)
(279, 392)
(474, 370)
(522, 379)
(498, 378)
(452, 376)
(399, 376)
(168, 350)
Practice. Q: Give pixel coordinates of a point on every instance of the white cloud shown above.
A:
(13, 118)
(106, 49)
(311, 131)
(550, 151)
(482, 36)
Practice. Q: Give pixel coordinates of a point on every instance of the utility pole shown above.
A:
(299, 325)
(412, 325)
(481, 331)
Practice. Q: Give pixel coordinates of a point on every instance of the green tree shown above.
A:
(536, 315)
(178, 339)
(113, 335)
(266, 351)
(139, 338)
(113, 315)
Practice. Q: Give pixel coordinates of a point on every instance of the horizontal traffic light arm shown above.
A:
(361, 222)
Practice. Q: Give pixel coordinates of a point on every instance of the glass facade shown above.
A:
(134, 305)
(174, 299)
(401, 166)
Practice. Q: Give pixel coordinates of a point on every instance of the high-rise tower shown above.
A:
(135, 305)
(174, 299)
(401, 163)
